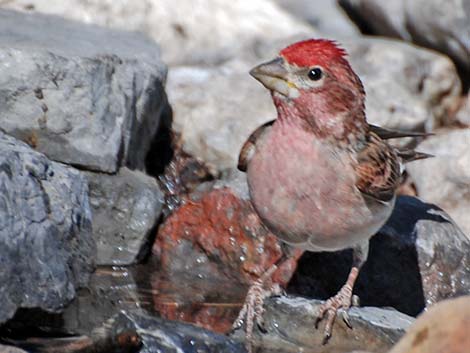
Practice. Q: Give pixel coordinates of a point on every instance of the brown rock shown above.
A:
(444, 328)
(217, 234)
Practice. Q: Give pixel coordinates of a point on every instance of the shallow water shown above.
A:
(204, 302)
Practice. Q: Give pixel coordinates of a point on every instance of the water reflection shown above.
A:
(205, 302)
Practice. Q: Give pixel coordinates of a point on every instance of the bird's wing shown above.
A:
(406, 154)
(246, 153)
(378, 169)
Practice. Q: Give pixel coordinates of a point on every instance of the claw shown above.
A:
(342, 300)
(326, 338)
(345, 316)
(253, 310)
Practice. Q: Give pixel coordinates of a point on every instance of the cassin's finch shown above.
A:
(320, 177)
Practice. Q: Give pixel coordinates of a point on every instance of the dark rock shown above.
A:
(81, 94)
(47, 249)
(290, 326)
(135, 331)
(126, 207)
(159, 335)
(443, 251)
(419, 257)
(443, 328)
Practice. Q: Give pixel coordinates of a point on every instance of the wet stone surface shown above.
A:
(126, 207)
(290, 326)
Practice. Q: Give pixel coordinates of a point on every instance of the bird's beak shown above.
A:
(274, 76)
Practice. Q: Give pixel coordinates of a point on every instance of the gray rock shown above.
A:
(443, 26)
(419, 257)
(126, 208)
(214, 31)
(290, 326)
(326, 16)
(407, 88)
(46, 250)
(440, 25)
(82, 95)
(215, 121)
(445, 179)
(463, 114)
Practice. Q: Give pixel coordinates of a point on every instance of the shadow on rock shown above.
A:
(419, 257)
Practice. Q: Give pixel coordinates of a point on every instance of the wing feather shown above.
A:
(249, 147)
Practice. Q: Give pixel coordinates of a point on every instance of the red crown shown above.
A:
(313, 52)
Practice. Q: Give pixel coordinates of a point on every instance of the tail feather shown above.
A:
(409, 155)
(386, 134)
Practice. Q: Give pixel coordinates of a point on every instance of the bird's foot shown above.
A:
(329, 309)
(252, 310)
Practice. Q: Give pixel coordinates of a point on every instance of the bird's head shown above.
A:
(311, 80)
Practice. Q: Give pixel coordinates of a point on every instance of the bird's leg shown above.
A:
(252, 310)
(343, 298)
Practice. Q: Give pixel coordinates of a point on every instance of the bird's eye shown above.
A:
(315, 74)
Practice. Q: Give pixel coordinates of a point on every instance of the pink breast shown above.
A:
(304, 190)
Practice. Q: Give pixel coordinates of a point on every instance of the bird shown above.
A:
(320, 177)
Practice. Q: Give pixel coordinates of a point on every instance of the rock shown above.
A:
(443, 328)
(449, 186)
(434, 24)
(159, 335)
(127, 331)
(463, 115)
(214, 122)
(418, 258)
(82, 95)
(205, 302)
(407, 88)
(215, 31)
(290, 326)
(126, 208)
(443, 26)
(443, 251)
(10, 349)
(217, 234)
(326, 16)
(386, 18)
(47, 250)
(180, 174)
(110, 290)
